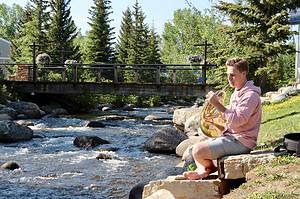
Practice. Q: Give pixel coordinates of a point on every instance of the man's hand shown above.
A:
(213, 99)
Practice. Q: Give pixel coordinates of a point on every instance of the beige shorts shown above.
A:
(226, 145)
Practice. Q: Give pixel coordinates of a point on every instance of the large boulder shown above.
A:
(164, 141)
(180, 116)
(192, 125)
(13, 132)
(29, 110)
(88, 141)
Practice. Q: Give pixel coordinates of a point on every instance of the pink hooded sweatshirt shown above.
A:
(243, 115)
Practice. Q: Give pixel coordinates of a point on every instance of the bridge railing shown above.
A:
(116, 73)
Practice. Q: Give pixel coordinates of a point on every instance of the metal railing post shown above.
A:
(74, 73)
(158, 74)
(34, 63)
(174, 76)
(115, 74)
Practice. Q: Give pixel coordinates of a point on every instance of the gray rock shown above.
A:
(128, 107)
(5, 116)
(13, 132)
(104, 156)
(151, 117)
(95, 124)
(290, 90)
(9, 111)
(25, 122)
(88, 141)
(278, 98)
(10, 165)
(106, 108)
(164, 141)
(28, 109)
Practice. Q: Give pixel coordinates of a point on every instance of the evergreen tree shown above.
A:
(261, 26)
(100, 39)
(123, 44)
(139, 38)
(153, 48)
(62, 32)
(138, 42)
(32, 28)
(101, 34)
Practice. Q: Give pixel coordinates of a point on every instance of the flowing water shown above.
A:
(52, 167)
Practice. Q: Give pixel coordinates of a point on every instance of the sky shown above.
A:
(157, 12)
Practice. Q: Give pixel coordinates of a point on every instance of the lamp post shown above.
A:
(294, 19)
(205, 62)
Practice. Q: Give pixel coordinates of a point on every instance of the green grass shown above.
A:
(268, 194)
(279, 119)
(283, 160)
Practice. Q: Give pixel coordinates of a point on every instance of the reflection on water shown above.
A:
(51, 167)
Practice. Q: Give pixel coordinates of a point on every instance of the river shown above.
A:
(52, 167)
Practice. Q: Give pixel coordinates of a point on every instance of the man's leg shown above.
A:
(203, 158)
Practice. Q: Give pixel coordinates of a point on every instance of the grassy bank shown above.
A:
(279, 179)
(279, 119)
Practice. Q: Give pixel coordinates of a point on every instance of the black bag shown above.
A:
(291, 144)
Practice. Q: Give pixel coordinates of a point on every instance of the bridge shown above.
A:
(146, 79)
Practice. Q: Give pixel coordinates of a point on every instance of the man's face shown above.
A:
(236, 78)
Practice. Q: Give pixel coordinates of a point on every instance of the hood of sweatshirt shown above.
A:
(249, 86)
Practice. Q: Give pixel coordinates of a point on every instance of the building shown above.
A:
(5, 47)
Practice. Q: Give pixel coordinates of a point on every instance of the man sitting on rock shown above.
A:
(243, 118)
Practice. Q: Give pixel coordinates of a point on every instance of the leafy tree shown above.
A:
(62, 32)
(188, 28)
(9, 18)
(261, 26)
(101, 34)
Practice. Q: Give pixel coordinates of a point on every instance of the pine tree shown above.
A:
(123, 44)
(31, 29)
(138, 39)
(137, 54)
(261, 26)
(62, 32)
(101, 34)
(153, 48)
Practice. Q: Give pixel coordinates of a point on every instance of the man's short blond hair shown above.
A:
(240, 63)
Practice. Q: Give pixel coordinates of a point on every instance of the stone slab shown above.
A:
(236, 166)
(182, 189)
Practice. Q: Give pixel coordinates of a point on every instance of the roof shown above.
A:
(5, 41)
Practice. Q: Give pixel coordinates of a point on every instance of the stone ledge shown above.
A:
(183, 189)
(236, 166)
